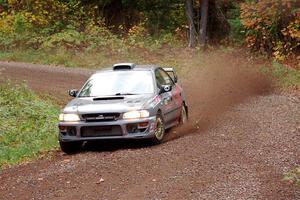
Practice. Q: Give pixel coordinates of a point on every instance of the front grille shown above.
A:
(100, 117)
(98, 131)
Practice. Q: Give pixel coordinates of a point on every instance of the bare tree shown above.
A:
(203, 22)
(190, 18)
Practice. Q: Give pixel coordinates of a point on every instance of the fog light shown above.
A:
(143, 124)
(62, 128)
(132, 128)
(71, 131)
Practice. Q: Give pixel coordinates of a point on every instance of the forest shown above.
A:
(269, 27)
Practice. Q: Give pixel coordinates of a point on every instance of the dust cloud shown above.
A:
(213, 87)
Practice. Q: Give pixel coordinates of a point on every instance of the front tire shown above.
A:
(183, 117)
(159, 130)
(70, 147)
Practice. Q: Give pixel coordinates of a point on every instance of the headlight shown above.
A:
(69, 117)
(136, 114)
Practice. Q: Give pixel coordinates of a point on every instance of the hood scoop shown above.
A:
(107, 98)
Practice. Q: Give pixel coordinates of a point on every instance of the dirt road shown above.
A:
(241, 140)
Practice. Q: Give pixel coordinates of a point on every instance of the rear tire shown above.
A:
(70, 147)
(159, 130)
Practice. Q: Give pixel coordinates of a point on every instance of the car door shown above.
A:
(168, 101)
(176, 96)
(178, 100)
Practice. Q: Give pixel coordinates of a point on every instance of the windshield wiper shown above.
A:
(121, 94)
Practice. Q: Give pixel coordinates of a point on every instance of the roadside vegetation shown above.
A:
(28, 125)
(286, 78)
(293, 176)
(99, 33)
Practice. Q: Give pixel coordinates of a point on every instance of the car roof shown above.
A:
(151, 68)
(135, 68)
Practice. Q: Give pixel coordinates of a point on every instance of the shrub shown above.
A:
(15, 30)
(99, 37)
(68, 39)
(137, 36)
(272, 26)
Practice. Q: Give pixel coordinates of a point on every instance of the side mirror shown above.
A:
(165, 88)
(73, 92)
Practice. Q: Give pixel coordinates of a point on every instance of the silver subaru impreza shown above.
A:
(127, 101)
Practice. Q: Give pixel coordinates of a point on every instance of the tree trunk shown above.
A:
(203, 22)
(190, 18)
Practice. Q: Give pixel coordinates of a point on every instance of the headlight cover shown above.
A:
(136, 114)
(69, 117)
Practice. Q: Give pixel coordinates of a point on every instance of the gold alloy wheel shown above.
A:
(160, 129)
(183, 117)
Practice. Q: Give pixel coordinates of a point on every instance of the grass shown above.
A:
(293, 176)
(286, 77)
(94, 59)
(37, 56)
(28, 125)
(67, 58)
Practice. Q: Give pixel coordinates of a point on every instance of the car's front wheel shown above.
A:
(183, 116)
(159, 130)
(70, 147)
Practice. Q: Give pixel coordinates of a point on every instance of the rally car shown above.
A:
(126, 101)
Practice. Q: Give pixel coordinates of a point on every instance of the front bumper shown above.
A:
(122, 133)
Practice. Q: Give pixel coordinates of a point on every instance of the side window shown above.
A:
(162, 78)
(166, 77)
(159, 79)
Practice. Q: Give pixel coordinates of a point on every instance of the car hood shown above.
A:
(108, 104)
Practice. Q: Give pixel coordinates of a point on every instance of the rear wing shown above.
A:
(171, 73)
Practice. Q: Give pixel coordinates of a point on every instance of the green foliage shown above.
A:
(236, 26)
(68, 38)
(3, 5)
(28, 124)
(98, 38)
(287, 77)
(293, 176)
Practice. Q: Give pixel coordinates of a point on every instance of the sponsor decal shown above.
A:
(155, 101)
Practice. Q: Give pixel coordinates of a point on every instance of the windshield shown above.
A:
(118, 83)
